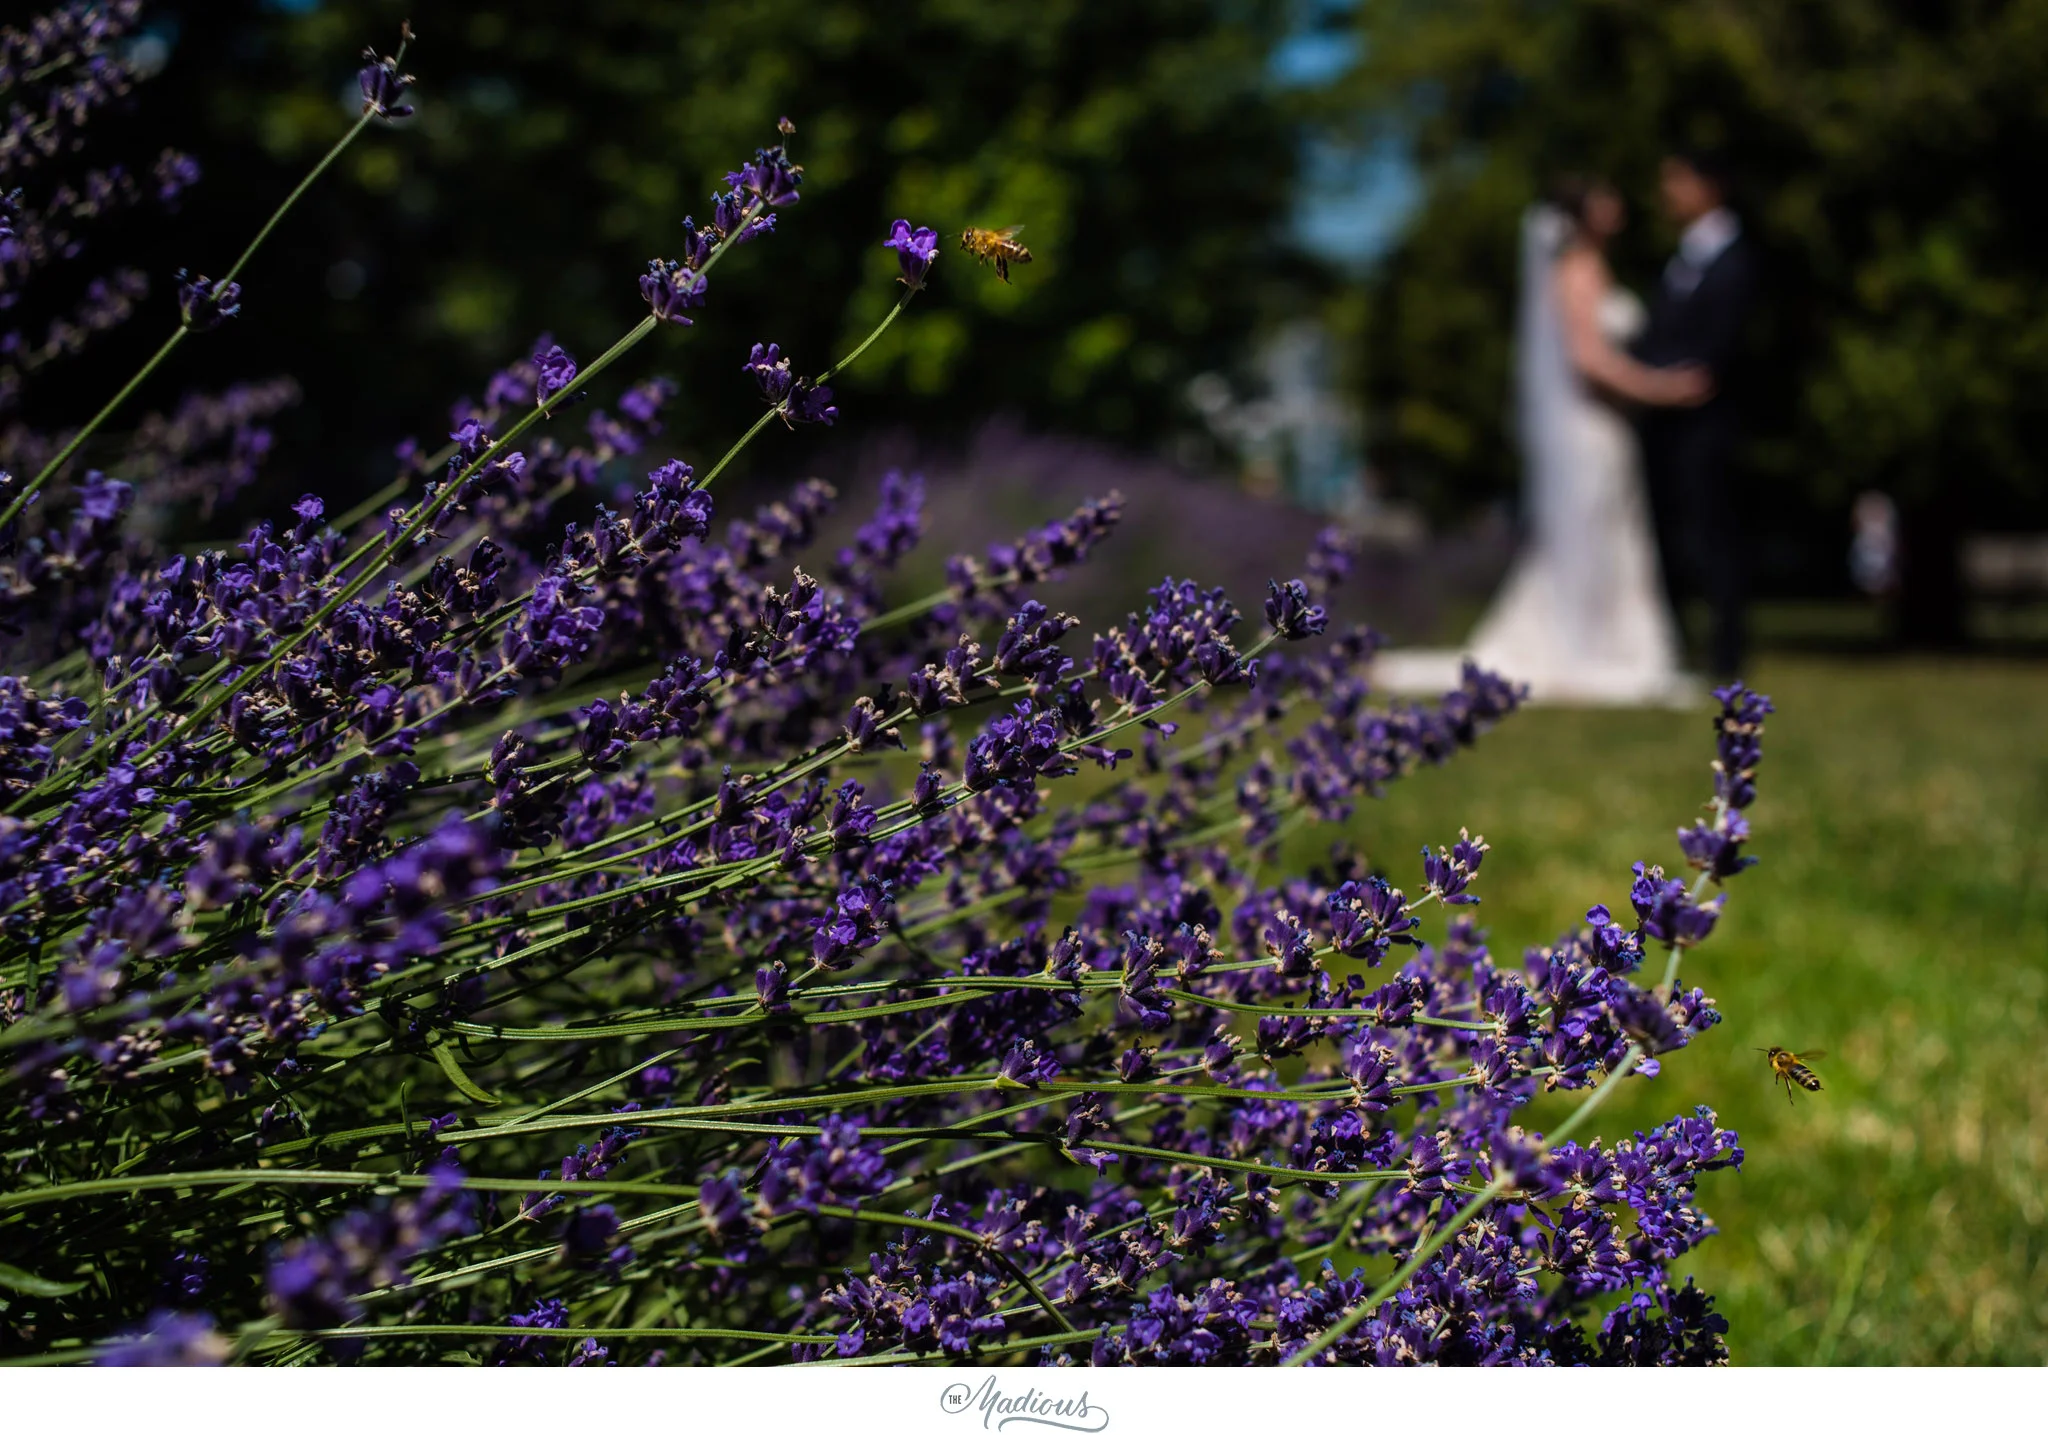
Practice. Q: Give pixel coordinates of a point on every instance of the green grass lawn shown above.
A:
(1898, 919)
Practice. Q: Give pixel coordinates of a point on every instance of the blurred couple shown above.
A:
(1587, 611)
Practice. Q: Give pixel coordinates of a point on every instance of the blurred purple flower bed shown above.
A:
(1005, 478)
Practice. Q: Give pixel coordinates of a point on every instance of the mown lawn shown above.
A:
(1899, 919)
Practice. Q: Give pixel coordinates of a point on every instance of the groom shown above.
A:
(1697, 317)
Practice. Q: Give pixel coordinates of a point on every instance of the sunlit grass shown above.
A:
(1899, 920)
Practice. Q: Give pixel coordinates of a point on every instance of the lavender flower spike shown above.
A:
(203, 304)
(670, 288)
(770, 369)
(557, 372)
(383, 86)
(915, 251)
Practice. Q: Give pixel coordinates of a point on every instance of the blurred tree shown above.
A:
(1888, 155)
(556, 148)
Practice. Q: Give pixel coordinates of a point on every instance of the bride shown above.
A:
(1582, 616)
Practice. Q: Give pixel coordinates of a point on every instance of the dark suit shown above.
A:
(1689, 452)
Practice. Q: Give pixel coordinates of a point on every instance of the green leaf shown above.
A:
(20, 1280)
(445, 1055)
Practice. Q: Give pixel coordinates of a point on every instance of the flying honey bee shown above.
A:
(998, 247)
(1790, 1067)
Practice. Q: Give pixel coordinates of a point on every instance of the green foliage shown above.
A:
(1898, 919)
(557, 148)
(1887, 156)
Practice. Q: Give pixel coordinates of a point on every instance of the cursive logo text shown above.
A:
(1000, 1410)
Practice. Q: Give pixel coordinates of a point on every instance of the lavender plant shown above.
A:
(517, 921)
(58, 73)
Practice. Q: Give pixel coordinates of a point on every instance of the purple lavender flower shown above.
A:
(866, 729)
(1140, 999)
(168, 1337)
(1025, 1065)
(670, 289)
(1447, 873)
(1371, 1066)
(769, 176)
(1664, 1327)
(1667, 911)
(852, 926)
(315, 1282)
(590, 1231)
(916, 249)
(852, 819)
(1739, 732)
(185, 1278)
(724, 1208)
(557, 372)
(1716, 847)
(1291, 613)
(836, 1167)
(589, 1162)
(770, 369)
(527, 1349)
(809, 403)
(1016, 749)
(771, 988)
(928, 792)
(174, 173)
(383, 87)
(1368, 917)
(1614, 947)
(203, 304)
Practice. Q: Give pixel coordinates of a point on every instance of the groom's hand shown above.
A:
(1683, 386)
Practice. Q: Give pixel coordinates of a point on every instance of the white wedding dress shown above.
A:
(1582, 617)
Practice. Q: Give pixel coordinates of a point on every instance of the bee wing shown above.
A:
(1811, 1055)
(1011, 233)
